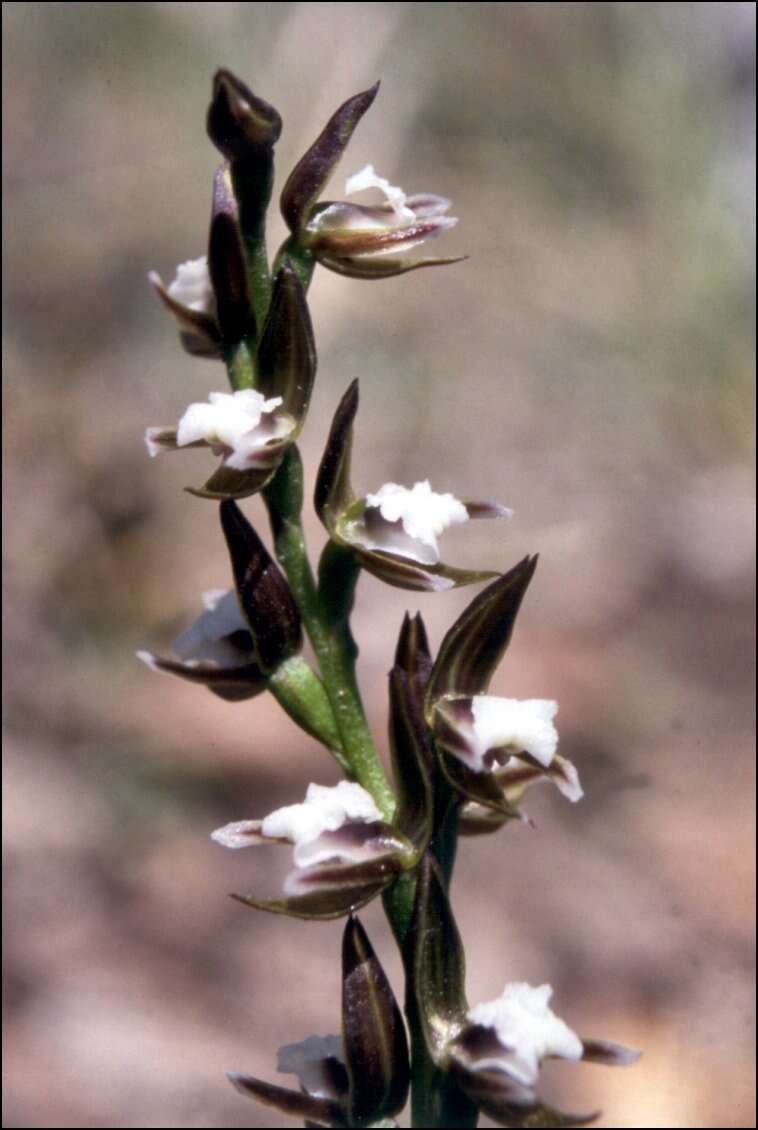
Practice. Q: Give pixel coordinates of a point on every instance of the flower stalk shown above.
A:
(461, 759)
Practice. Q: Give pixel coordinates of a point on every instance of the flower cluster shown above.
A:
(461, 758)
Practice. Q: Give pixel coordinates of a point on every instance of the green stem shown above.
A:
(240, 365)
(326, 630)
(301, 259)
(300, 692)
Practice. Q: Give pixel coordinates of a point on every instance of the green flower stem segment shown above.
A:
(300, 692)
(301, 259)
(253, 225)
(240, 366)
(334, 650)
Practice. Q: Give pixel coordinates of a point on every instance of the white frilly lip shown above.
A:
(325, 810)
(527, 1029)
(396, 197)
(237, 425)
(408, 522)
(192, 286)
(521, 725)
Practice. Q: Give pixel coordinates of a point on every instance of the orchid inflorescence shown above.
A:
(461, 758)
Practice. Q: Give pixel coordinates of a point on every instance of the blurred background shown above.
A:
(590, 365)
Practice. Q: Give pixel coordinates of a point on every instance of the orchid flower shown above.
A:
(393, 531)
(358, 240)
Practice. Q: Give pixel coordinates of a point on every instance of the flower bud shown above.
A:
(227, 264)
(264, 595)
(393, 532)
(240, 123)
(373, 1034)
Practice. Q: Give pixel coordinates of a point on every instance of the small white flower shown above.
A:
(192, 286)
(527, 1028)
(408, 522)
(239, 422)
(323, 810)
(306, 1060)
(238, 425)
(521, 725)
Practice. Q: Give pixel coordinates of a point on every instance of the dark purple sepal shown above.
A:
(476, 820)
(482, 788)
(287, 350)
(373, 1033)
(295, 1104)
(240, 123)
(438, 971)
(475, 644)
(307, 180)
(412, 653)
(412, 761)
(404, 573)
(234, 684)
(319, 905)
(227, 484)
(334, 493)
(263, 592)
(227, 264)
